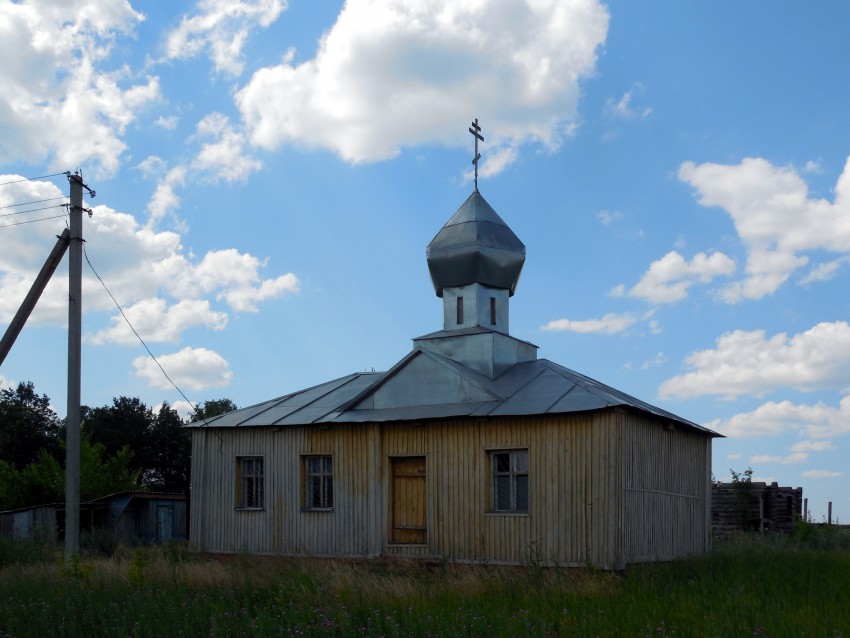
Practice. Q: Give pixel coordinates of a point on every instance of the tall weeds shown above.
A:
(749, 586)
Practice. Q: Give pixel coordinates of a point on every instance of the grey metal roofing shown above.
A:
(475, 246)
(531, 388)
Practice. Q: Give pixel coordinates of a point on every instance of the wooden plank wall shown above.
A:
(667, 474)
(579, 511)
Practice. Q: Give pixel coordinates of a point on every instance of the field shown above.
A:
(750, 586)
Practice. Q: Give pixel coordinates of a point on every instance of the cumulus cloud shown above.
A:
(669, 278)
(55, 78)
(817, 421)
(163, 289)
(748, 362)
(425, 66)
(609, 324)
(222, 155)
(155, 321)
(775, 218)
(194, 369)
(221, 28)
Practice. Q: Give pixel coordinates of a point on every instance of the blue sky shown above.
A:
(269, 173)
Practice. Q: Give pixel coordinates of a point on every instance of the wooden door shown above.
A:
(408, 522)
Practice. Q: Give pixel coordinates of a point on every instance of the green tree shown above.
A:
(43, 480)
(209, 409)
(28, 425)
(126, 423)
(102, 474)
(171, 449)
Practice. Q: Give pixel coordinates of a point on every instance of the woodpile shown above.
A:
(754, 506)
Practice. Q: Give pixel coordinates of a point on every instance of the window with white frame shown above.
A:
(510, 480)
(250, 482)
(318, 482)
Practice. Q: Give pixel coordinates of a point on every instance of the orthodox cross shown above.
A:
(475, 130)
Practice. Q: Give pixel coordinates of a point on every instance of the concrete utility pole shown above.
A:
(75, 329)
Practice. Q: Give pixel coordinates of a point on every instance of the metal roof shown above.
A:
(536, 387)
(475, 246)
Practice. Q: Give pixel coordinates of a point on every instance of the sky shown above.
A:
(268, 174)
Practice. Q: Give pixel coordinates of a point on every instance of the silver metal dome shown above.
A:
(475, 246)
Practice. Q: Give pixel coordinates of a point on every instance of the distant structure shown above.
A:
(754, 506)
(470, 447)
(132, 517)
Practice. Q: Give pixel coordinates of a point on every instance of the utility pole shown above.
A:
(75, 329)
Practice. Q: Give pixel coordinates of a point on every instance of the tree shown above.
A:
(43, 480)
(101, 474)
(28, 425)
(171, 448)
(126, 423)
(209, 409)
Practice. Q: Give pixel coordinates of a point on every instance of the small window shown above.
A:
(251, 482)
(492, 311)
(318, 483)
(459, 311)
(510, 481)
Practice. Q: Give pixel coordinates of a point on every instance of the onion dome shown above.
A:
(475, 246)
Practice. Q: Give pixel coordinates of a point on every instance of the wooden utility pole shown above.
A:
(75, 329)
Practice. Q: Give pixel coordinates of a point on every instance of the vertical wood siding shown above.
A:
(667, 477)
(602, 489)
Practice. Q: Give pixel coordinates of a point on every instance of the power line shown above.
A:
(29, 179)
(33, 210)
(142, 341)
(35, 201)
(32, 221)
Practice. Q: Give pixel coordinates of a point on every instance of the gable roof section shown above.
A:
(425, 385)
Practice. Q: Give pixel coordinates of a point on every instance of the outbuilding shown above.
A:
(470, 448)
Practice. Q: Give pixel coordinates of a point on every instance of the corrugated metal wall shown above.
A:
(579, 511)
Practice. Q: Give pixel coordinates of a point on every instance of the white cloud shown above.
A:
(608, 217)
(818, 474)
(609, 324)
(164, 199)
(425, 67)
(155, 321)
(669, 278)
(221, 28)
(824, 271)
(623, 108)
(658, 360)
(734, 456)
(791, 459)
(817, 421)
(812, 446)
(750, 363)
(163, 290)
(54, 79)
(193, 369)
(168, 123)
(775, 218)
(183, 408)
(223, 158)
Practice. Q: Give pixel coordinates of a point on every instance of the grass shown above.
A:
(750, 586)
